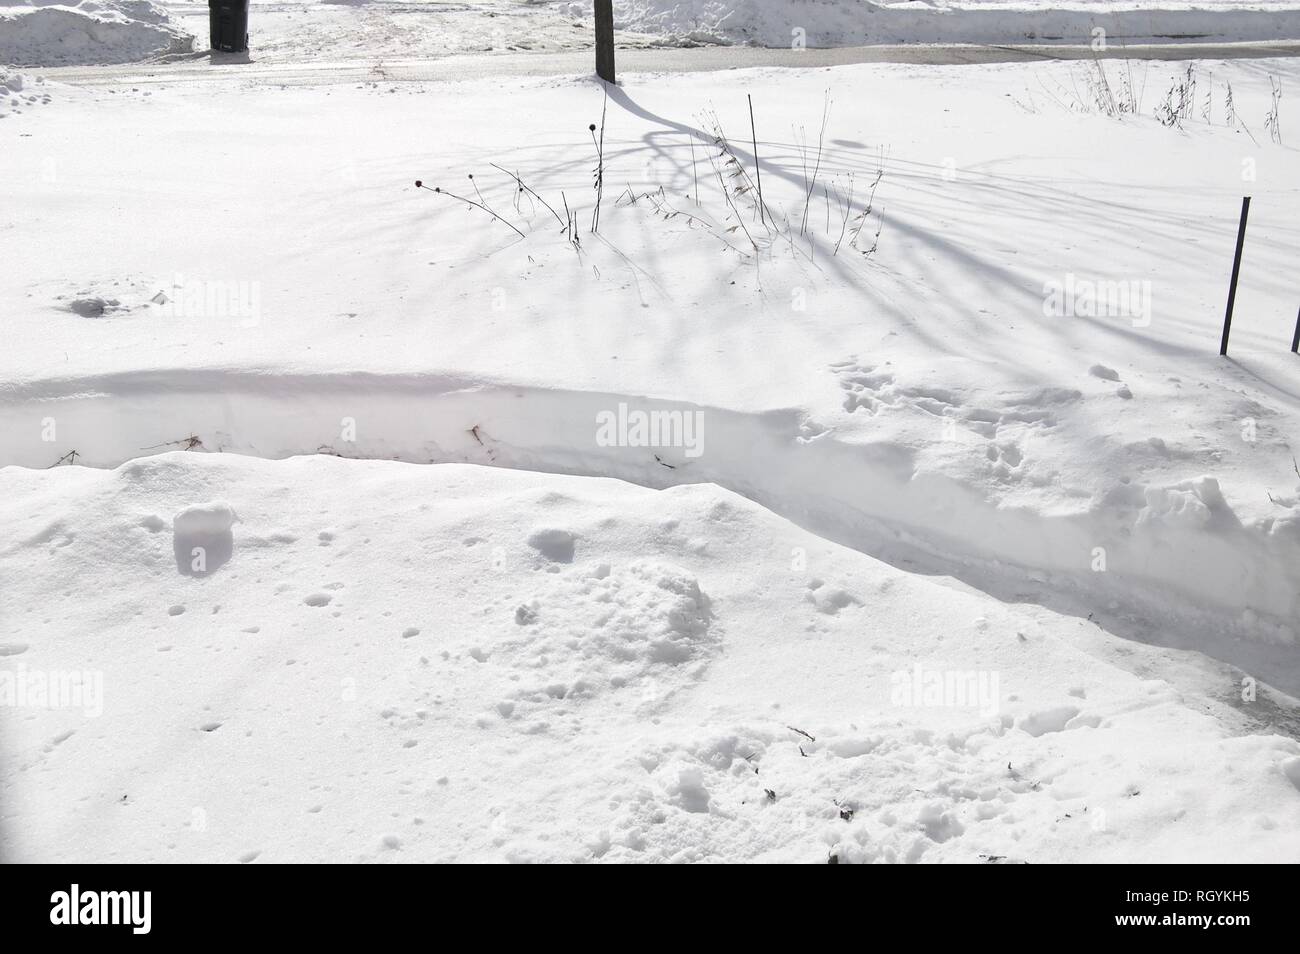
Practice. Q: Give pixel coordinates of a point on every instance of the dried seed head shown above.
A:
(419, 184)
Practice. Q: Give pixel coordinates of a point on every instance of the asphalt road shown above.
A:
(205, 68)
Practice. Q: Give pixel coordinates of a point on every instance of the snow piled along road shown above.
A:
(380, 662)
(785, 23)
(92, 31)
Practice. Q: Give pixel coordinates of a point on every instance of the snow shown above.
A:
(931, 372)
(823, 23)
(384, 31)
(92, 31)
(933, 528)
(357, 683)
(18, 93)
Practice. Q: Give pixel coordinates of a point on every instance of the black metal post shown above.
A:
(1236, 270)
(228, 26)
(605, 40)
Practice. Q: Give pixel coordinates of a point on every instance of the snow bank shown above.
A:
(822, 23)
(1177, 551)
(386, 667)
(93, 31)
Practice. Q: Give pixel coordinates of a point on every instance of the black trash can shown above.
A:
(228, 25)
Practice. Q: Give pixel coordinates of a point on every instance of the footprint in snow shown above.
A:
(554, 544)
(202, 541)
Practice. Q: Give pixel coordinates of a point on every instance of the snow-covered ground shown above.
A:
(949, 399)
(385, 662)
(38, 33)
(823, 23)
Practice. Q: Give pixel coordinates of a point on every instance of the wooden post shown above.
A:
(1236, 270)
(605, 40)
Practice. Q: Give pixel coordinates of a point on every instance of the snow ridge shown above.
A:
(1177, 552)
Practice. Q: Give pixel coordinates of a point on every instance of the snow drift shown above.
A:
(400, 663)
(93, 31)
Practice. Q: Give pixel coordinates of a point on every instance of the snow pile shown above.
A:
(830, 23)
(93, 31)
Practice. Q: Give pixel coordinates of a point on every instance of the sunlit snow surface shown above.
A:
(936, 460)
(392, 664)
